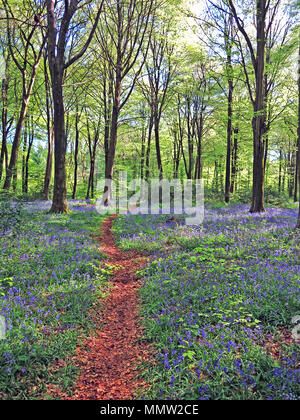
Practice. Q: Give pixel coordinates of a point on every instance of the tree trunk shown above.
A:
(198, 169)
(147, 163)
(25, 138)
(109, 164)
(234, 161)
(229, 146)
(229, 71)
(15, 146)
(298, 134)
(59, 204)
(50, 133)
(280, 170)
(259, 118)
(90, 190)
(143, 152)
(176, 155)
(3, 154)
(296, 182)
(92, 153)
(157, 145)
(31, 138)
(76, 153)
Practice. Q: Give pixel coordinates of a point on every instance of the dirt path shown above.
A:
(108, 360)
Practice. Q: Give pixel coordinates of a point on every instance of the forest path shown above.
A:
(108, 360)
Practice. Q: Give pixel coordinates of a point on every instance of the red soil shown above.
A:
(108, 360)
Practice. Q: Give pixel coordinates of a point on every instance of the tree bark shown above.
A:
(157, 146)
(229, 71)
(296, 182)
(109, 167)
(259, 118)
(298, 135)
(57, 44)
(31, 138)
(76, 153)
(27, 87)
(3, 153)
(50, 133)
(259, 106)
(198, 169)
(59, 204)
(229, 141)
(92, 152)
(280, 171)
(25, 138)
(143, 147)
(234, 161)
(147, 163)
(16, 143)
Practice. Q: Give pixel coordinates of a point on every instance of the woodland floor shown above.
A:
(108, 360)
(149, 307)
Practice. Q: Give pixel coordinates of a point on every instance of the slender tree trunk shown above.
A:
(25, 138)
(147, 163)
(190, 142)
(157, 145)
(234, 161)
(280, 171)
(198, 169)
(16, 143)
(90, 190)
(296, 182)
(109, 167)
(31, 138)
(27, 90)
(3, 153)
(229, 141)
(76, 153)
(107, 117)
(92, 153)
(93, 176)
(176, 155)
(298, 134)
(228, 47)
(28, 80)
(284, 174)
(267, 106)
(50, 133)
(291, 160)
(143, 152)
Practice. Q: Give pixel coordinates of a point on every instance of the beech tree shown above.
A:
(6, 122)
(130, 86)
(58, 36)
(266, 12)
(50, 132)
(124, 32)
(298, 134)
(160, 72)
(26, 37)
